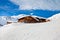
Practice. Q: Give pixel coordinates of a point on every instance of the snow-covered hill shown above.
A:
(54, 17)
(4, 19)
(37, 31)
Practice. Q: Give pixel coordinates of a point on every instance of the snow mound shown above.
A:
(55, 17)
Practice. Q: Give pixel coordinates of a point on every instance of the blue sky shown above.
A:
(10, 8)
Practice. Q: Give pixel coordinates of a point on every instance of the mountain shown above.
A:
(37, 31)
(3, 20)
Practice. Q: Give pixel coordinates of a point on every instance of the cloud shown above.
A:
(38, 4)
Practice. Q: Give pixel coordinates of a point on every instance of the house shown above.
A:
(30, 19)
(9, 22)
(27, 19)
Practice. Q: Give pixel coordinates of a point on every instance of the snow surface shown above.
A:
(5, 19)
(37, 31)
(55, 17)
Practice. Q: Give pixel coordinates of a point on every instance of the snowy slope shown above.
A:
(55, 17)
(38, 31)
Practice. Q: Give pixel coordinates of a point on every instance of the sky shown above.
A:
(38, 4)
(44, 8)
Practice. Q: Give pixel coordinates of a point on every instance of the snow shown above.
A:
(3, 20)
(54, 17)
(34, 31)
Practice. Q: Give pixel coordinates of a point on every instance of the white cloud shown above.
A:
(38, 4)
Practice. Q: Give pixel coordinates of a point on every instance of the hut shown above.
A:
(27, 19)
(9, 22)
(30, 19)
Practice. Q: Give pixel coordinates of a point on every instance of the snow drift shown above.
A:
(38, 31)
